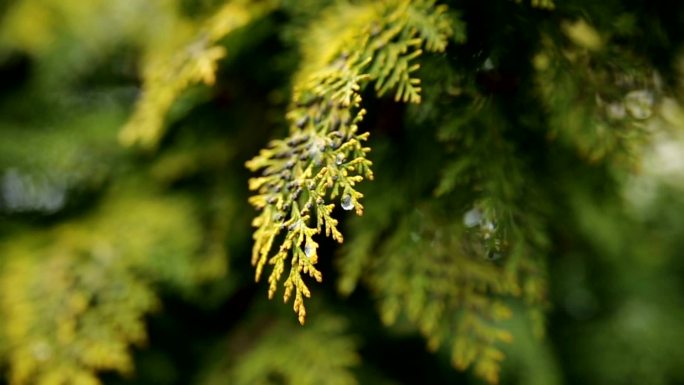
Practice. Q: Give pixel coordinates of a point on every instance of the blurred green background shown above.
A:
(125, 231)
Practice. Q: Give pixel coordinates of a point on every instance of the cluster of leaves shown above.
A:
(278, 351)
(171, 69)
(600, 98)
(323, 156)
(451, 265)
(74, 296)
(450, 296)
(456, 227)
(53, 31)
(505, 221)
(76, 291)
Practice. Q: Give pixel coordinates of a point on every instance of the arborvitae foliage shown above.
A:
(170, 67)
(75, 296)
(324, 158)
(287, 353)
(516, 169)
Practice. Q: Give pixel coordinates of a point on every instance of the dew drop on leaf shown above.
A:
(339, 159)
(309, 249)
(488, 226)
(639, 104)
(472, 217)
(346, 202)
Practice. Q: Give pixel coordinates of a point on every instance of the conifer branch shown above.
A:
(600, 99)
(74, 296)
(448, 271)
(425, 273)
(170, 72)
(324, 353)
(323, 158)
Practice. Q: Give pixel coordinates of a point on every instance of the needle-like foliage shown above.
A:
(323, 158)
(169, 69)
(74, 298)
(527, 182)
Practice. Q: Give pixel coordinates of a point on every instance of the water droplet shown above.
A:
(488, 65)
(339, 159)
(472, 217)
(309, 249)
(639, 104)
(347, 203)
(488, 226)
(317, 145)
(616, 110)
